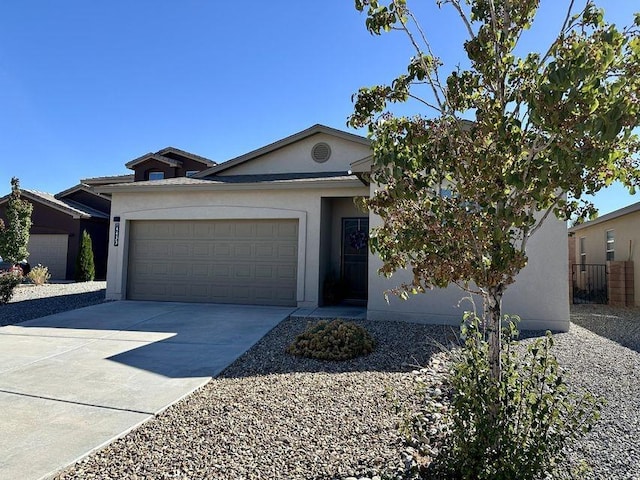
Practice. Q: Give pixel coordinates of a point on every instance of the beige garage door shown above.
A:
(223, 261)
(50, 251)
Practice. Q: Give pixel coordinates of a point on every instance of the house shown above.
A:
(278, 226)
(608, 244)
(59, 220)
(169, 162)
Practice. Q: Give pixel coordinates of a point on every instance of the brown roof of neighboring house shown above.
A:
(634, 207)
(80, 187)
(160, 156)
(69, 207)
(186, 154)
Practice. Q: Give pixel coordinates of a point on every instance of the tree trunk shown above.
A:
(492, 314)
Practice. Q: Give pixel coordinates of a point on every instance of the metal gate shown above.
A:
(589, 283)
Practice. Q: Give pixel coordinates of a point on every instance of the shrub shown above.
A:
(518, 429)
(8, 283)
(335, 340)
(85, 268)
(39, 275)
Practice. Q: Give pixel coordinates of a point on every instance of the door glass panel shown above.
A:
(355, 255)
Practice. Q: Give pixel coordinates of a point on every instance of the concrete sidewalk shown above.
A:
(72, 382)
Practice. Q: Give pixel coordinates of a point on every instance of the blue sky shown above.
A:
(87, 86)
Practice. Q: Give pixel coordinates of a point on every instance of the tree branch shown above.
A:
(463, 16)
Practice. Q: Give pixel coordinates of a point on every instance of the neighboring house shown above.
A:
(278, 226)
(57, 225)
(167, 163)
(609, 241)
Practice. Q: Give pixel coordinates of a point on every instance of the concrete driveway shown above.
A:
(72, 382)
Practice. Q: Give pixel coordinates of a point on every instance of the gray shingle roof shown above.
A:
(108, 180)
(279, 177)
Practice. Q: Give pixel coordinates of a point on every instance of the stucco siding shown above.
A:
(540, 295)
(296, 157)
(627, 243)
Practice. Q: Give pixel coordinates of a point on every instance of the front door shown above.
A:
(355, 255)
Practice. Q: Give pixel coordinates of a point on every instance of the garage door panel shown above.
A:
(49, 250)
(222, 250)
(242, 250)
(201, 249)
(182, 250)
(264, 271)
(242, 272)
(226, 261)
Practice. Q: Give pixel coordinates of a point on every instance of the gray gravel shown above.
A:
(270, 415)
(609, 368)
(30, 301)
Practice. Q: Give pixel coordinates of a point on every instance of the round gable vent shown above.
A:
(321, 152)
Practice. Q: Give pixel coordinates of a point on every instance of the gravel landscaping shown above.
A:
(271, 415)
(30, 301)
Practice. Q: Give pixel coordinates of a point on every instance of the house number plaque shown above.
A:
(116, 231)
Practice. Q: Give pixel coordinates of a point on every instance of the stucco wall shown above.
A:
(627, 243)
(302, 204)
(540, 295)
(297, 157)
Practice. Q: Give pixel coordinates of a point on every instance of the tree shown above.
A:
(85, 267)
(505, 143)
(14, 236)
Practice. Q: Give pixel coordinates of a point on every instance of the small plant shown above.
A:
(39, 275)
(335, 340)
(85, 267)
(537, 414)
(8, 283)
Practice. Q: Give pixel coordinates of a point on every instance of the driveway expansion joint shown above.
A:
(74, 402)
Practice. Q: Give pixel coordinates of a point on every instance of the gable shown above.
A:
(85, 195)
(171, 161)
(297, 157)
(92, 200)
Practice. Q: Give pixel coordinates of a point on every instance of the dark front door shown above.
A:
(355, 255)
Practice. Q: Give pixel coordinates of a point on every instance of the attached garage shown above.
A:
(221, 261)
(50, 251)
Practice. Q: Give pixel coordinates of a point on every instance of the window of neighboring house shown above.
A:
(156, 175)
(611, 244)
(191, 173)
(583, 254)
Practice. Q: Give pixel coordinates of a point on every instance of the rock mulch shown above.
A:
(30, 301)
(601, 353)
(271, 415)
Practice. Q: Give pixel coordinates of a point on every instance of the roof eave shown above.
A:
(271, 185)
(152, 156)
(72, 213)
(77, 188)
(634, 207)
(192, 156)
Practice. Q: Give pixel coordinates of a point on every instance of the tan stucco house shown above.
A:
(612, 241)
(279, 226)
